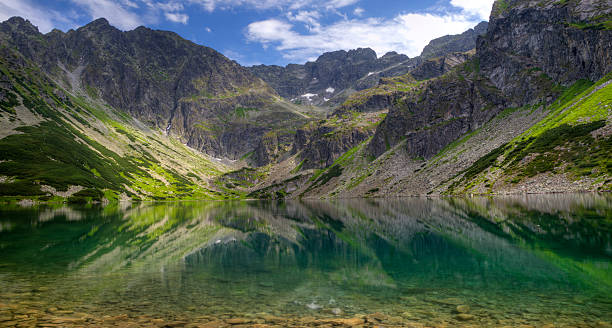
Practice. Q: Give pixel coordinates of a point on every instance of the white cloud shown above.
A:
(207, 29)
(309, 18)
(116, 14)
(479, 8)
(358, 11)
(177, 18)
(44, 19)
(165, 6)
(129, 3)
(340, 3)
(406, 33)
(410, 33)
(270, 30)
(212, 5)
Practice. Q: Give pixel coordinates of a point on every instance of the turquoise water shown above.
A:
(528, 260)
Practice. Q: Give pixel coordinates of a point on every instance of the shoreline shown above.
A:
(28, 202)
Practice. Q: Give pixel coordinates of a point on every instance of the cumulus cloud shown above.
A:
(164, 6)
(177, 18)
(479, 8)
(410, 33)
(358, 11)
(309, 18)
(340, 3)
(130, 4)
(212, 5)
(272, 30)
(405, 33)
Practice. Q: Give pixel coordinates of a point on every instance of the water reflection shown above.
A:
(510, 260)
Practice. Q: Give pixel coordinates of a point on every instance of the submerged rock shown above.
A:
(238, 321)
(348, 322)
(463, 308)
(464, 317)
(313, 306)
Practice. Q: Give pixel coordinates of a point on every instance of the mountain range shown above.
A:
(334, 76)
(520, 104)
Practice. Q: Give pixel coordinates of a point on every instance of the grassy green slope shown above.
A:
(573, 139)
(55, 145)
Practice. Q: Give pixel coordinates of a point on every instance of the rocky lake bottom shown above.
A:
(520, 261)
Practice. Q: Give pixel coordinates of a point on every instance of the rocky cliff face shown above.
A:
(319, 144)
(437, 112)
(361, 85)
(193, 92)
(562, 41)
(438, 66)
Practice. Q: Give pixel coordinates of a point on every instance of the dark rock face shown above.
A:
(390, 65)
(439, 66)
(375, 102)
(437, 114)
(273, 147)
(185, 89)
(527, 50)
(389, 91)
(548, 40)
(320, 146)
(454, 43)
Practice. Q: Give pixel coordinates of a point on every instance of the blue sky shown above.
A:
(270, 31)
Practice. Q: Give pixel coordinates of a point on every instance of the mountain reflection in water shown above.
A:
(490, 261)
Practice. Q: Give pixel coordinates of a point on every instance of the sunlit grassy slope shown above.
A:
(56, 144)
(565, 141)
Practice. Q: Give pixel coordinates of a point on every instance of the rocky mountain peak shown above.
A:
(360, 54)
(391, 54)
(591, 10)
(18, 25)
(481, 28)
(100, 23)
(99, 29)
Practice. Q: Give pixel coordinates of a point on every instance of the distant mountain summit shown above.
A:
(334, 76)
(330, 75)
